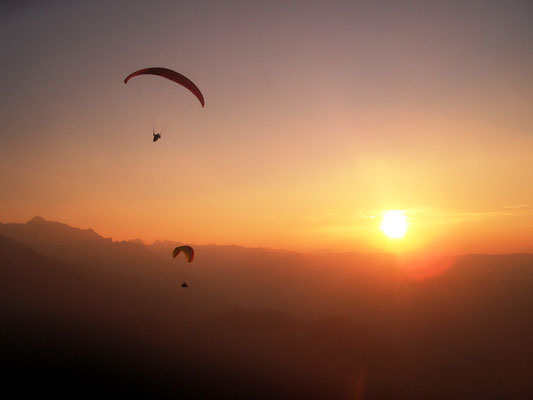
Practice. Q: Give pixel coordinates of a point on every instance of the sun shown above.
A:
(394, 224)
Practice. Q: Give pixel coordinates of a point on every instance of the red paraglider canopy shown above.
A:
(173, 76)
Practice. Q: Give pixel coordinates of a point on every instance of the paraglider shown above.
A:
(172, 76)
(188, 252)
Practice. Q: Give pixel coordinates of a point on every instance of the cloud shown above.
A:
(515, 206)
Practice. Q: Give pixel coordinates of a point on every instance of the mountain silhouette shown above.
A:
(109, 317)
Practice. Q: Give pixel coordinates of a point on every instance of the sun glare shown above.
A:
(394, 224)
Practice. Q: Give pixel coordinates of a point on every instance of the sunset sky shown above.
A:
(319, 117)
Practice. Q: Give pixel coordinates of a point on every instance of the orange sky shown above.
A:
(317, 119)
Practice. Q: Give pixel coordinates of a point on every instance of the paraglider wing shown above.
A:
(173, 76)
(186, 250)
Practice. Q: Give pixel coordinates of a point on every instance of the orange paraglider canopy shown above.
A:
(186, 250)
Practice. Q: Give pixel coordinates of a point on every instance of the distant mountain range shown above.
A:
(83, 314)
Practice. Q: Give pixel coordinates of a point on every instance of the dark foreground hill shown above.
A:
(83, 316)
